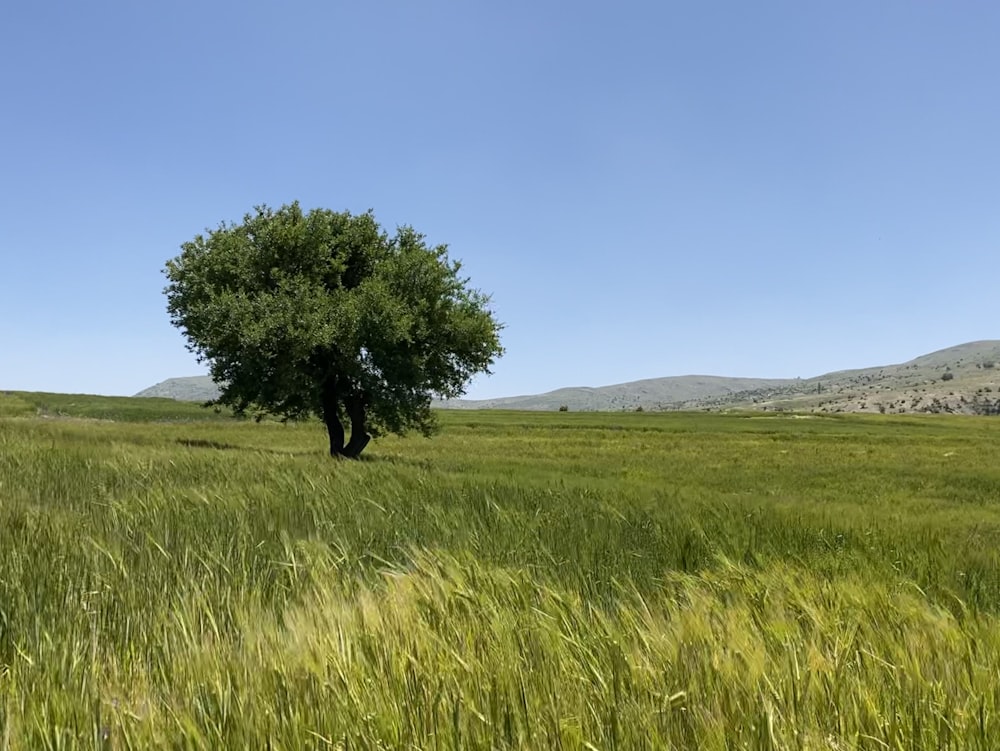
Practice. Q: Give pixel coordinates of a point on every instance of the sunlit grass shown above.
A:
(519, 581)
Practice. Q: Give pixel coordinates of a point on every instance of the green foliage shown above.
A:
(947, 376)
(290, 309)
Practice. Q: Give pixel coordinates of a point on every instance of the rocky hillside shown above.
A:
(963, 380)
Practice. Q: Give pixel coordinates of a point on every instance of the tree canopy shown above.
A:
(323, 313)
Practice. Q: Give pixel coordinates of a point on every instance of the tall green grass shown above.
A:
(520, 581)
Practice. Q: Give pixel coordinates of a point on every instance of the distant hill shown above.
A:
(962, 379)
(190, 389)
(651, 393)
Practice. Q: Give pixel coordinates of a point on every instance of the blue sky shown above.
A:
(771, 189)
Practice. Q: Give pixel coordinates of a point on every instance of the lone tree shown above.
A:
(325, 314)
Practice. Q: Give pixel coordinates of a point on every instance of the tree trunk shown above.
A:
(331, 417)
(355, 404)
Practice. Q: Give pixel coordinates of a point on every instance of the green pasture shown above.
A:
(173, 578)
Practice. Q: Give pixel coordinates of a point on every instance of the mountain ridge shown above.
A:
(962, 379)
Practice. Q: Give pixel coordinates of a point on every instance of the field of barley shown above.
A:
(172, 578)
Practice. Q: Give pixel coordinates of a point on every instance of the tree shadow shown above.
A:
(367, 457)
(198, 443)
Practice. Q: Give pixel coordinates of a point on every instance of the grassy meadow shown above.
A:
(172, 578)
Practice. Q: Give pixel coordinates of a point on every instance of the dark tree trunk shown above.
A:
(331, 417)
(356, 410)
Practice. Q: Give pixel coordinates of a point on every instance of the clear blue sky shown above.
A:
(646, 188)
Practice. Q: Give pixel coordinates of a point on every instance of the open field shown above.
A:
(523, 580)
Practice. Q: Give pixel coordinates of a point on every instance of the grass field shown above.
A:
(521, 581)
